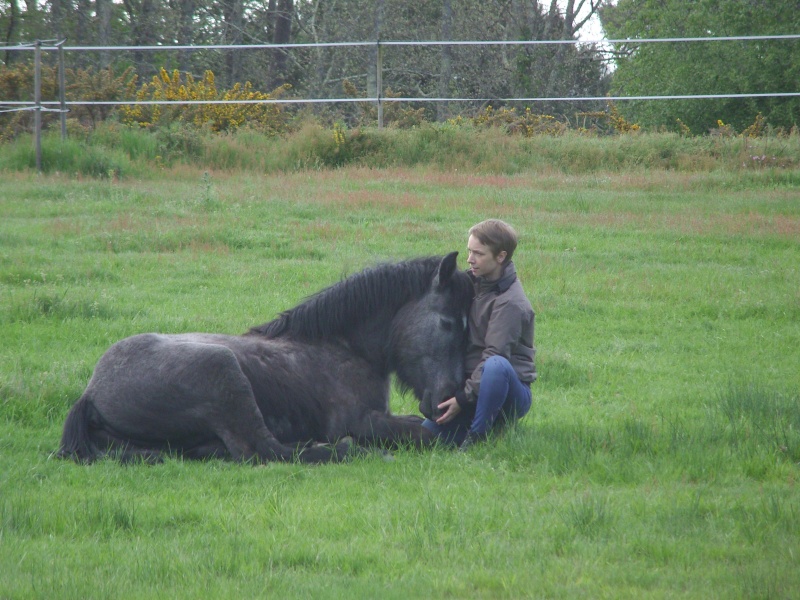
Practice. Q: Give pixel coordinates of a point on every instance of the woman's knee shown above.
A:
(497, 364)
(431, 426)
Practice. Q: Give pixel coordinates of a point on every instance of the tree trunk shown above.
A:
(58, 14)
(372, 67)
(141, 16)
(272, 9)
(83, 26)
(186, 9)
(446, 71)
(233, 13)
(282, 35)
(104, 30)
(12, 23)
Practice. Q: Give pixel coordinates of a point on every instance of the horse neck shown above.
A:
(371, 338)
(358, 310)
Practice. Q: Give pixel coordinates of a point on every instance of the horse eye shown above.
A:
(446, 324)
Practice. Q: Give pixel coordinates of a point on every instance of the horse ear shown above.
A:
(446, 269)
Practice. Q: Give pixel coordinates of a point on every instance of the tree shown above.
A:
(446, 73)
(104, 38)
(283, 14)
(489, 73)
(185, 10)
(577, 14)
(143, 20)
(460, 71)
(10, 27)
(729, 67)
(233, 16)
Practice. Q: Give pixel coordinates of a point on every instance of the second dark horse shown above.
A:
(293, 388)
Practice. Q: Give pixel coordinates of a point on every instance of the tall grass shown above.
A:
(660, 458)
(67, 156)
(112, 150)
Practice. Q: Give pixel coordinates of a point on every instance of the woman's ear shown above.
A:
(501, 256)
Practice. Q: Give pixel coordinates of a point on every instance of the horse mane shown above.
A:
(337, 308)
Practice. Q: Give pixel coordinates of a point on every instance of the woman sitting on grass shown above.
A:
(500, 352)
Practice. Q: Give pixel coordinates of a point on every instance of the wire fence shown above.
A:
(599, 46)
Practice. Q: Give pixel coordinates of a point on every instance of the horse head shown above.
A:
(429, 335)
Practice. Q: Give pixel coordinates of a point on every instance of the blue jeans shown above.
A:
(501, 394)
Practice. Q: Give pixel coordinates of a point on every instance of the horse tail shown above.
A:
(75, 441)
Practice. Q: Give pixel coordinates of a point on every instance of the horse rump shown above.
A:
(77, 443)
(75, 440)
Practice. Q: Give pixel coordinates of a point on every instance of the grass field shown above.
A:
(660, 459)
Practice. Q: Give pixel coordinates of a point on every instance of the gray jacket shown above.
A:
(501, 323)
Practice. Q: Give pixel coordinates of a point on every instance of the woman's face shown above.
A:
(482, 262)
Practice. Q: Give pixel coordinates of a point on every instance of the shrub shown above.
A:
(395, 114)
(526, 124)
(17, 84)
(606, 122)
(183, 90)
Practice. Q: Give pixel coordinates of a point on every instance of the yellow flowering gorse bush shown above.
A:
(529, 124)
(605, 121)
(526, 124)
(246, 106)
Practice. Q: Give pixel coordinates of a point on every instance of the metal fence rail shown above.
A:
(601, 45)
(378, 99)
(598, 42)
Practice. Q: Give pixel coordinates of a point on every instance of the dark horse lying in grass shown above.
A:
(293, 388)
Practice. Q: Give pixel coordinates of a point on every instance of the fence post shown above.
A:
(379, 83)
(62, 94)
(37, 97)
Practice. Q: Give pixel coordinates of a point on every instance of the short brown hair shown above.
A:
(497, 235)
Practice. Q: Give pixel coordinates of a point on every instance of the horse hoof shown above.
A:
(345, 449)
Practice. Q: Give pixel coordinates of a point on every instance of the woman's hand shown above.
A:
(451, 408)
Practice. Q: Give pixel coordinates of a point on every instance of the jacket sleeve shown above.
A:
(502, 335)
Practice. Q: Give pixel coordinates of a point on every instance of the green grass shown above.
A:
(660, 458)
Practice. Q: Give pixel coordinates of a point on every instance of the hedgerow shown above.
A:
(198, 103)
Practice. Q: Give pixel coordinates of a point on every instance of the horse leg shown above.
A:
(247, 438)
(391, 431)
(238, 422)
(210, 450)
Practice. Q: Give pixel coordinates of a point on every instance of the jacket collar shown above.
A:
(501, 285)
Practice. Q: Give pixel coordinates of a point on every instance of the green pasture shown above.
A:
(661, 458)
